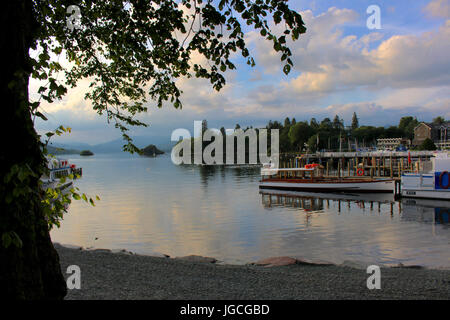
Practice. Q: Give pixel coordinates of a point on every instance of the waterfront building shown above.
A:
(439, 133)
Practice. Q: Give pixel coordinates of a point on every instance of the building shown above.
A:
(392, 143)
(438, 133)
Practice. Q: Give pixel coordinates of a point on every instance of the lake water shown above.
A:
(150, 205)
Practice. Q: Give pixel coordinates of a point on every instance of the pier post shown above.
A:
(348, 168)
(391, 173)
(339, 169)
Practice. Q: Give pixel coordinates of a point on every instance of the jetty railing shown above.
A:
(374, 164)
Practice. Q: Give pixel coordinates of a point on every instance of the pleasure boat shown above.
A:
(431, 181)
(61, 174)
(311, 178)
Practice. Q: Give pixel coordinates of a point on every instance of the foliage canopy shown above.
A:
(134, 51)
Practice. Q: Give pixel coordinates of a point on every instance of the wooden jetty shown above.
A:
(373, 164)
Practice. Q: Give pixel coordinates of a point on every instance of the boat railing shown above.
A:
(315, 173)
(58, 173)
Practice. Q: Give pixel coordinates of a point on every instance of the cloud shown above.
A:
(337, 70)
(320, 34)
(438, 8)
(400, 61)
(330, 64)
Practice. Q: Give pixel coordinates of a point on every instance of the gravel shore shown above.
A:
(107, 275)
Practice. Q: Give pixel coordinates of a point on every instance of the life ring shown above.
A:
(360, 172)
(440, 180)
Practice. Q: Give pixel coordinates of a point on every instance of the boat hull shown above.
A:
(424, 185)
(426, 194)
(382, 186)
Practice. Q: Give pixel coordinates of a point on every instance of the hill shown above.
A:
(58, 151)
(151, 151)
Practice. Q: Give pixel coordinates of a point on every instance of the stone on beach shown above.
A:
(149, 254)
(401, 265)
(121, 251)
(155, 254)
(195, 258)
(69, 246)
(287, 261)
(313, 262)
(276, 262)
(98, 250)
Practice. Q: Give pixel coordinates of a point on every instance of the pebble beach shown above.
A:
(119, 274)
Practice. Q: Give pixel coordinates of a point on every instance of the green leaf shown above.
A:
(6, 239)
(40, 115)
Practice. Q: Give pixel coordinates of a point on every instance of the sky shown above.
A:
(340, 67)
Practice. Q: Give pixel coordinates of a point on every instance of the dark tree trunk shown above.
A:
(31, 271)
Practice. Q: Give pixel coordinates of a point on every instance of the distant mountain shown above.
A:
(57, 151)
(71, 145)
(163, 143)
(114, 146)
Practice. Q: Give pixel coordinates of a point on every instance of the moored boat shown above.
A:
(311, 178)
(433, 183)
(60, 173)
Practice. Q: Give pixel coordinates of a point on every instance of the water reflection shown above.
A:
(420, 210)
(150, 205)
(427, 211)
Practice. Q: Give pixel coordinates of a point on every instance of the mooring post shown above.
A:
(391, 173)
(348, 168)
(339, 168)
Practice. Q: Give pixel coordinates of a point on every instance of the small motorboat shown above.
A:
(432, 181)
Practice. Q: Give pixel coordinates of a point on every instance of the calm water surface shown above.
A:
(150, 205)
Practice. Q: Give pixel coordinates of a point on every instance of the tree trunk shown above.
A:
(30, 271)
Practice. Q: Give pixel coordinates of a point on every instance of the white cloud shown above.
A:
(438, 8)
(335, 73)
(414, 68)
(347, 63)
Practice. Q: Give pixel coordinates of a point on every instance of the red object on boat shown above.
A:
(312, 165)
(72, 166)
(409, 157)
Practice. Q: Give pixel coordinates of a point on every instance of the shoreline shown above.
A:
(107, 274)
(358, 264)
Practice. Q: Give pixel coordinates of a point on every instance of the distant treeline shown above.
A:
(304, 136)
(59, 151)
(333, 135)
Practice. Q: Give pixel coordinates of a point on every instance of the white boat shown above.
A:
(433, 183)
(57, 170)
(312, 179)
